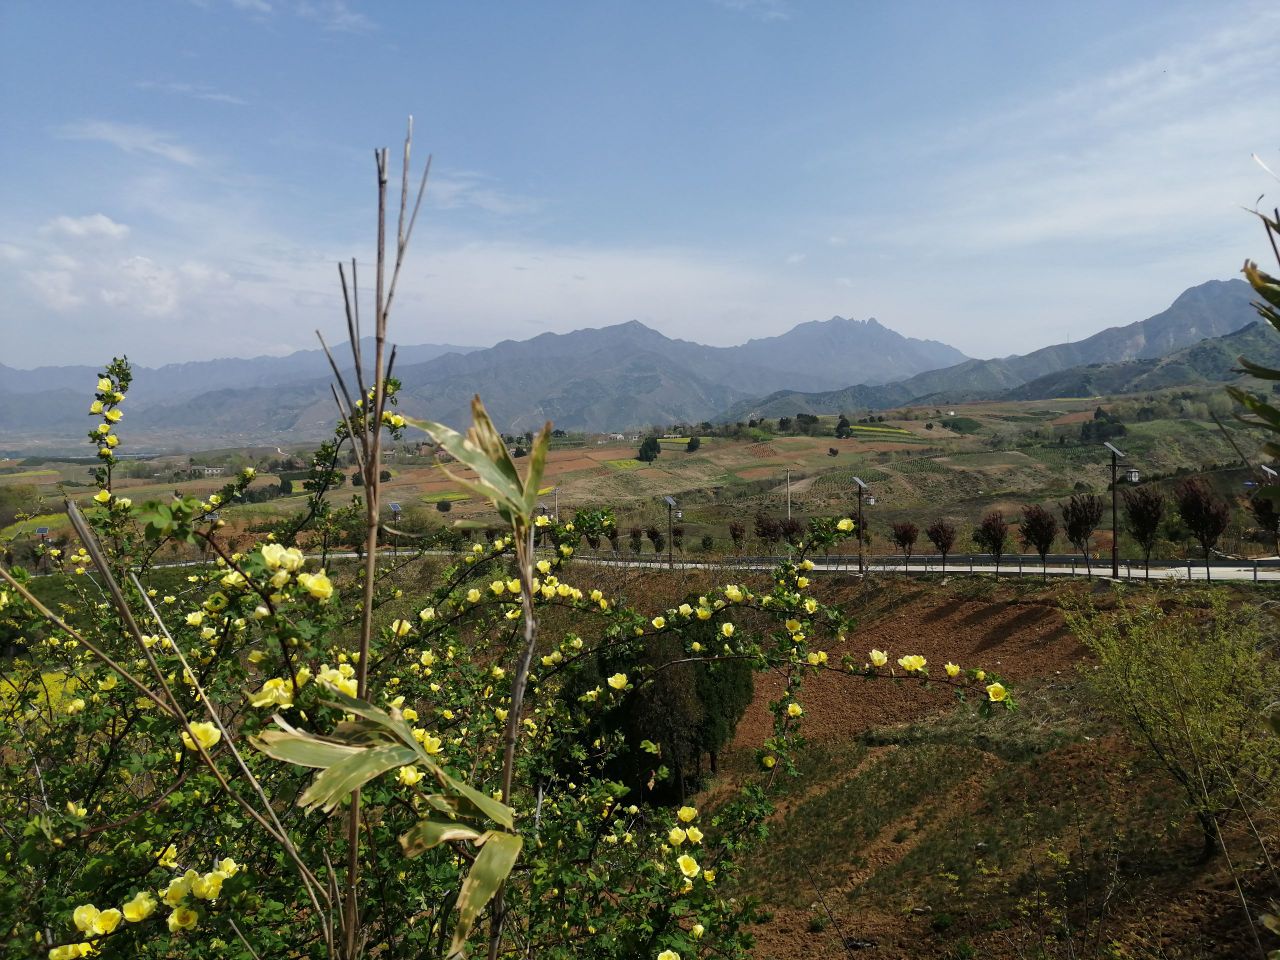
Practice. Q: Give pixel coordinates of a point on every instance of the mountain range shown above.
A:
(595, 379)
(629, 375)
(1212, 309)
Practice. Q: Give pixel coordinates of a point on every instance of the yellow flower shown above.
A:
(71, 951)
(112, 416)
(168, 857)
(802, 582)
(178, 889)
(227, 867)
(544, 567)
(427, 613)
(501, 714)
(208, 887)
(618, 681)
(694, 835)
(768, 761)
(205, 733)
(95, 407)
(84, 917)
(733, 592)
(687, 814)
(74, 707)
(105, 385)
(793, 626)
(980, 675)
(140, 907)
(401, 627)
(316, 584)
(675, 837)
(195, 619)
(275, 692)
(845, 525)
(912, 662)
(996, 692)
(878, 658)
(76, 809)
(410, 775)
(184, 918)
(107, 921)
(102, 496)
(659, 623)
(726, 630)
(108, 682)
(709, 875)
(688, 866)
(697, 930)
(473, 595)
(794, 709)
(952, 670)
(811, 605)
(113, 440)
(668, 955)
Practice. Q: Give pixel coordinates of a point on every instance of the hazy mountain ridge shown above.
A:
(1213, 309)
(608, 378)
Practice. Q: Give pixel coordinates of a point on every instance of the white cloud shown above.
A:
(196, 91)
(759, 9)
(55, 289)
(334, 15)
(131, 138)
(252, 6)
(94, 225)
(794, 258)
(468, 189)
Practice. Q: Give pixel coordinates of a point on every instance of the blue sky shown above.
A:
(181, 176)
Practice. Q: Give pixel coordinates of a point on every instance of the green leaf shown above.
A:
(302, 749)
(1261, 372)
(396, 725)
(430, 833)
(495, 810)
(491, 868)
(340, 780)
(537, 463)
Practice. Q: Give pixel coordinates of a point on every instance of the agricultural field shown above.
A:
(919, 465)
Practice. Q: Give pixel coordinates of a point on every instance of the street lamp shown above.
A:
(671, 505)
(862, 489)
(1116, 457)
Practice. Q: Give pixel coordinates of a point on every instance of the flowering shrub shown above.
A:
(283, 758)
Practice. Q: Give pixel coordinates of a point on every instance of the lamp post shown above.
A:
(1116, 457)
(671, 505)
(788, 494)
(862, 489)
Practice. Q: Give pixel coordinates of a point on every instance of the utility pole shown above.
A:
(671, 505)
(788, 494)
(862, 489)
(1116, 456)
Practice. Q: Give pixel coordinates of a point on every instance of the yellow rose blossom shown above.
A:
(768, 761)
(401, 627)
(205, 733)
(102, 496)
(802, 582)
(659, 622)
(675, 837)
(952, 669)
(688, 866)
(140, 907)
(84, 916)
(105, 385)
(227, 867)
(996, 692)
(878, 658)
(980, 675)
(811, 605)
(168, 857)
(618, 681)
(912, 662)
(694, 835)
(794, 709)
(112, 416)
(95, 407)
(71, 951)
(687, 814)
(726, 630)
(697, 930)
(793, 626)
(208, 887)
(473, 595)
(108, 682)
(668, 955)
(74, 707)
(427, 613)
(183, 918)
(410, 775)
(316, 584)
